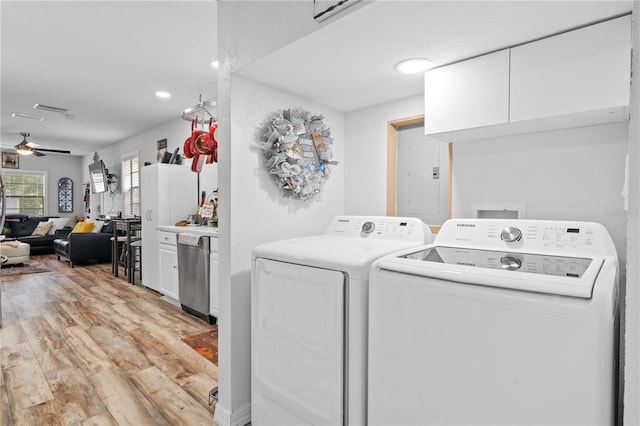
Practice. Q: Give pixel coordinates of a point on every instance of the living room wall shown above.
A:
(57, 166)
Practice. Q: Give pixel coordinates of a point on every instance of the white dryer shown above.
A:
(309, 319)
(498, 322)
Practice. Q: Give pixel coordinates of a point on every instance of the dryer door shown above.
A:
(297, 344)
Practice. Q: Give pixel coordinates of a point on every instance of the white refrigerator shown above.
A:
(168, 194)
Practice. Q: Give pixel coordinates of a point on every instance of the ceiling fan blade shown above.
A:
(57, 151)
(38, 154)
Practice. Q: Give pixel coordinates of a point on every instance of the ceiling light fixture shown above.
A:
(24, 147)
(163, 95)
(215, 64)
(23, 115)
(24, 150)
(414, 65)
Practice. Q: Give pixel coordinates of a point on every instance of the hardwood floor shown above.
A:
(81, 347)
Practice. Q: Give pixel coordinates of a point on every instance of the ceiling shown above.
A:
(104, 60)
(349, 64)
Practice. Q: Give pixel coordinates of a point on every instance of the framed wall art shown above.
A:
(10, 160)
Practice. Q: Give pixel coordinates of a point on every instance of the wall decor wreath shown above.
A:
(297, 148)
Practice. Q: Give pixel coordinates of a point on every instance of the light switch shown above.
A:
(436, 172)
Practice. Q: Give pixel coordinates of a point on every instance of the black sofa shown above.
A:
(21, 226)
(78, 247)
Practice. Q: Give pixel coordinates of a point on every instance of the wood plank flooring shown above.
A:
(82, 347)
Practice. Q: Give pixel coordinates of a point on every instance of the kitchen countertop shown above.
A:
(211, 231)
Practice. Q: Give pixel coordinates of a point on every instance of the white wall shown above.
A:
(56, 167)
(247, 31)
(259, 213)
(631, 323)
(366, 153)
(572, 174)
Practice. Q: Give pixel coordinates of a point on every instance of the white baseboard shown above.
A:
(223, 417)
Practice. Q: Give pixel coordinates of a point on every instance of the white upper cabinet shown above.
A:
(578, 78)
(468, 94)
(583, 70)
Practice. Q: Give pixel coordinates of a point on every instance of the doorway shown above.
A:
(419, 173)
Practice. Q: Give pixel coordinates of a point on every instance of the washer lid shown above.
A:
(561, 275)
(353, 256)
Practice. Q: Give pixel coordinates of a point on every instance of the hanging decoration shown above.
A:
(297, 148)
(201, 146)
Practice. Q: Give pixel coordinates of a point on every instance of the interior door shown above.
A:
(422, 175)
(297, 344)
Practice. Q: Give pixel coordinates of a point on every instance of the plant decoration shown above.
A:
(297, 149)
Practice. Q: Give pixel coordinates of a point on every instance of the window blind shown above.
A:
(130, 185)
(25, 192)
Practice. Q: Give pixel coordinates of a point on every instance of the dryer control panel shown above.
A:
(569, 238)
(380, 227)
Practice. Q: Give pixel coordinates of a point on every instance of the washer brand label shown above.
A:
(466, 225)
(465, 264)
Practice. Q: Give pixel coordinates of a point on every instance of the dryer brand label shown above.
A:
(466, 225)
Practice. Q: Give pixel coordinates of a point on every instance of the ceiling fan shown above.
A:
(27, 148)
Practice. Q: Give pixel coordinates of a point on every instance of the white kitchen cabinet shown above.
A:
(168, 268)
(468, 94)
(169, 193)
(587, 69)
(574, 79)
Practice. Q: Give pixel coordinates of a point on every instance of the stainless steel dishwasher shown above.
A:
(193, 275)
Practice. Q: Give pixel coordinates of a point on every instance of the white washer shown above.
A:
(309, 319)
(501, 322)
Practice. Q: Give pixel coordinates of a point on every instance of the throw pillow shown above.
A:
(58, 223)
(42, 229)
(97, 226)
(83, 227)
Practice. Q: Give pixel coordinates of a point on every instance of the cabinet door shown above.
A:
(583, 70)
(183, 191)
(169, 271)
(213, 283)
(148, 209)
(472, 93)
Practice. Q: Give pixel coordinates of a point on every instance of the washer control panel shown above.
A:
(381, 227)
(530, 235)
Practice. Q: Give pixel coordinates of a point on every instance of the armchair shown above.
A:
(77, 247)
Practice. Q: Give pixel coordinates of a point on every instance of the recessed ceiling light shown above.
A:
(163, 95)
(215, 64)
(23, 115)
(413, 65)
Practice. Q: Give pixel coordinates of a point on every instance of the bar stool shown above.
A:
(121, 243)
(135, 260)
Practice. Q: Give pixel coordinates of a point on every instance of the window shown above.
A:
(25, 192)
(130, 185)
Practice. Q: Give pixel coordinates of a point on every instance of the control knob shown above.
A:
(511, 234)
(368, 227)
(510, 263)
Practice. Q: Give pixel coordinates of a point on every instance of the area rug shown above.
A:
(206, 344)
(28, 267)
